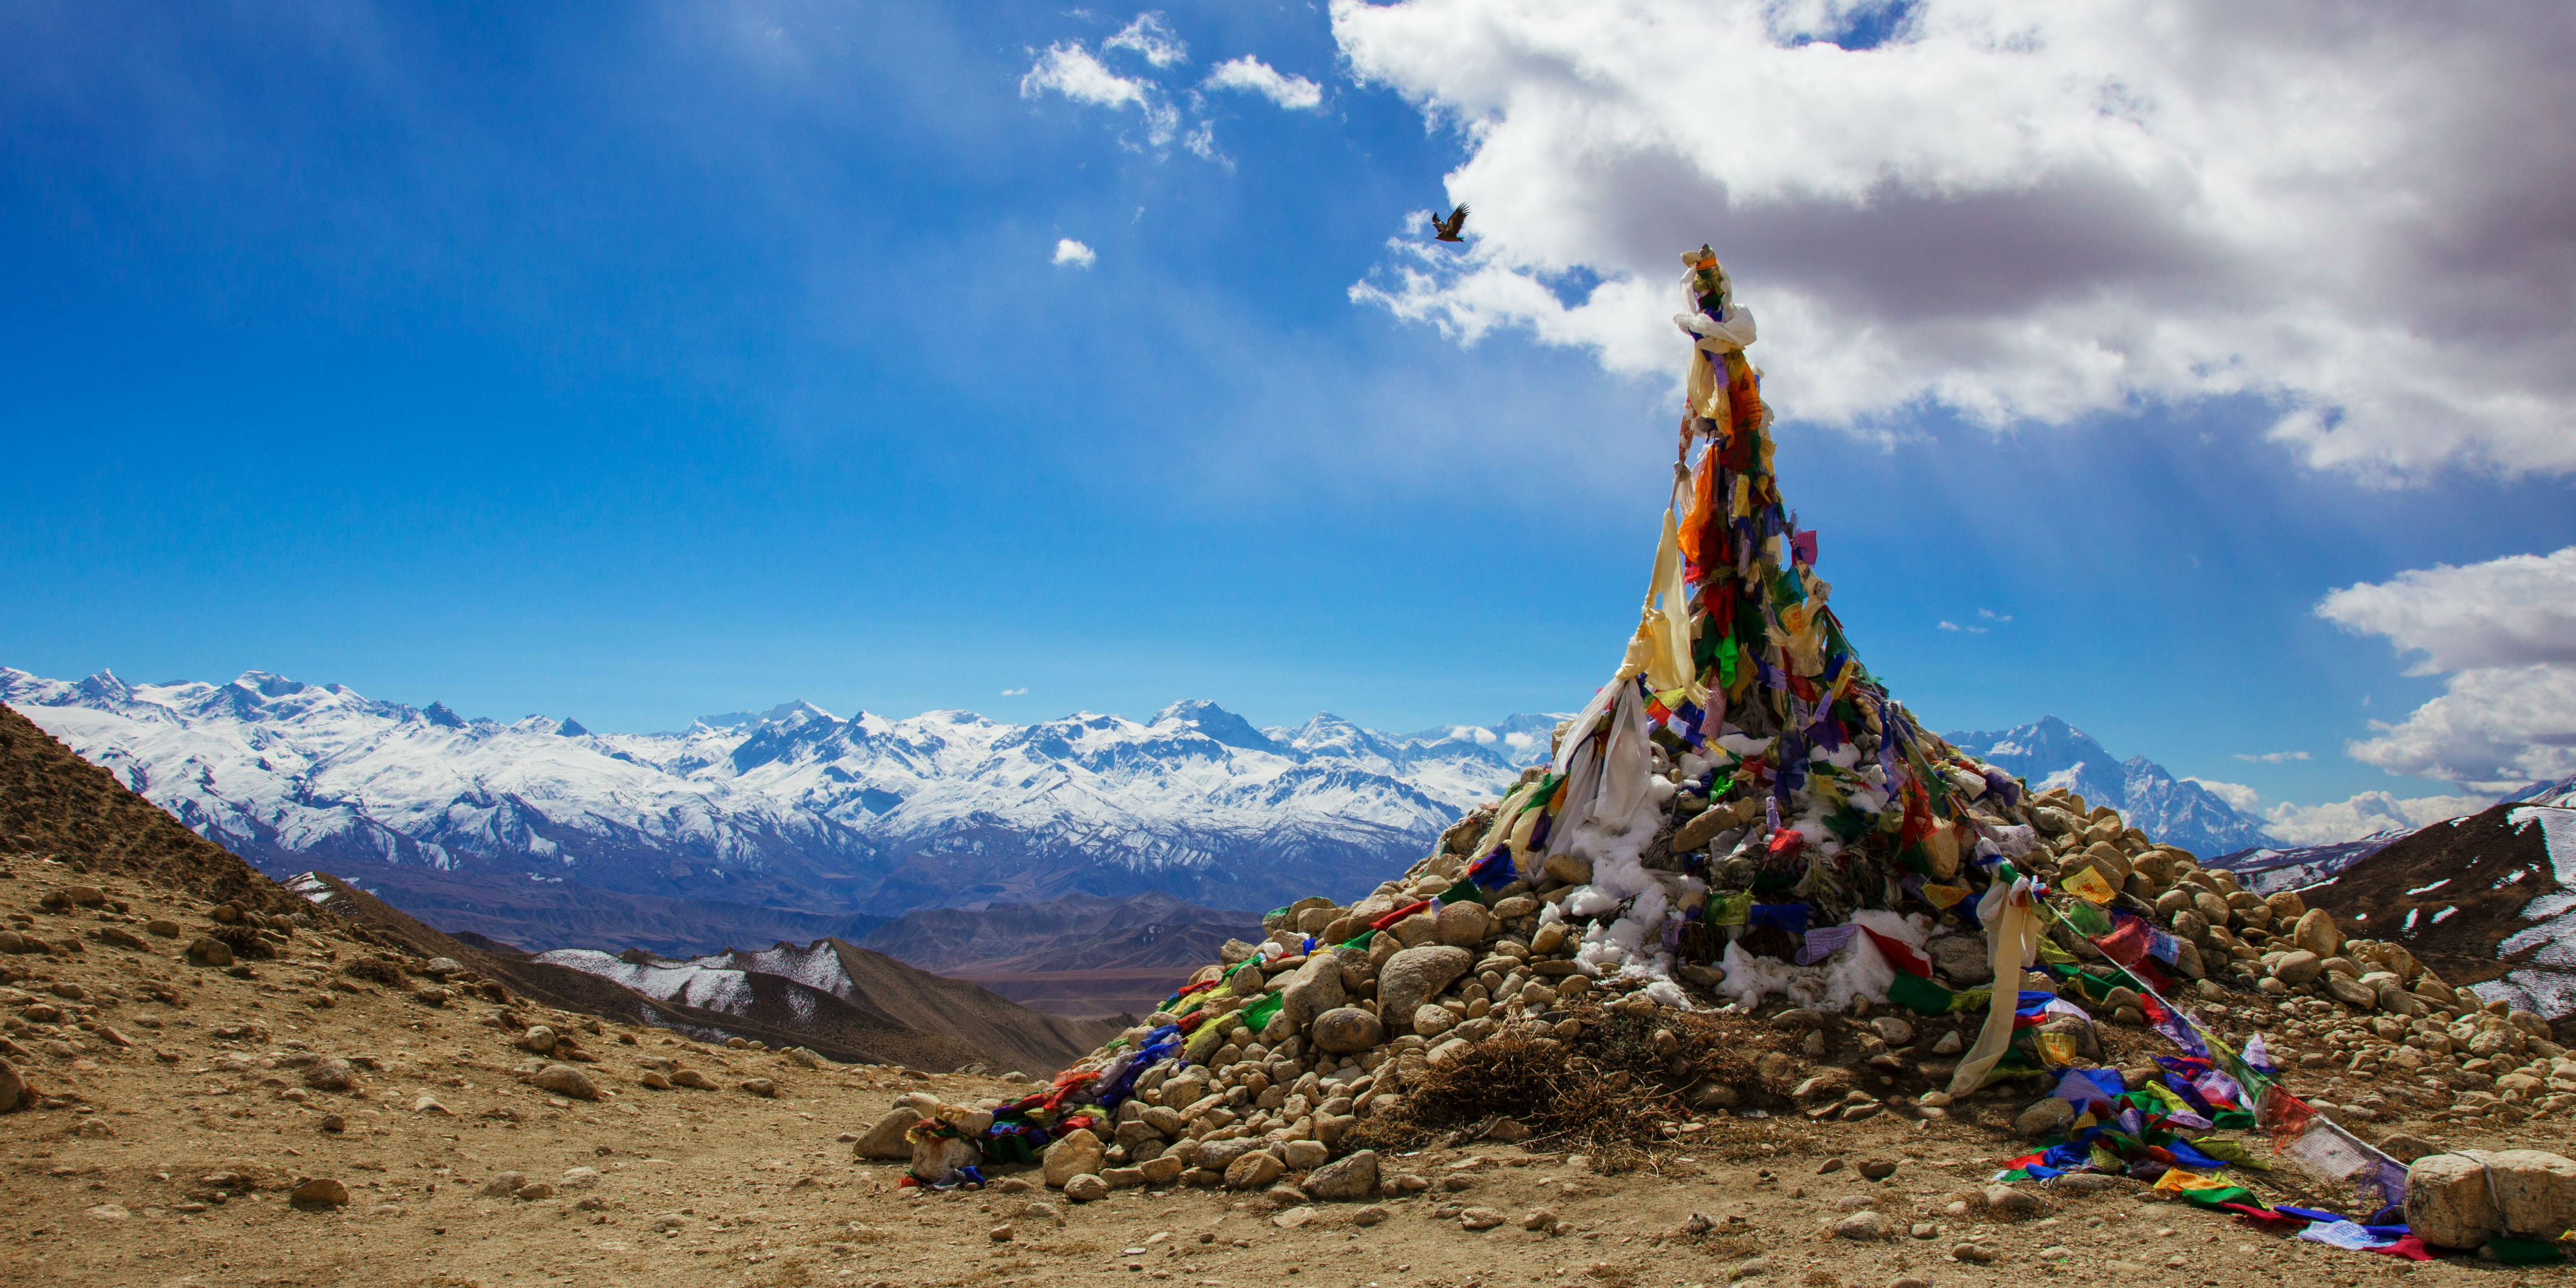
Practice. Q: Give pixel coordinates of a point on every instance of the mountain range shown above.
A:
(2049, 752)
(796, 825)
(790, 824)
(62, 817)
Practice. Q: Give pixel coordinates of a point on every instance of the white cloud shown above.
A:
(1954, 626)
(2026, 209)
(2492, 729)
(1069, 251)
(1253, 76)
(2271, 757)
(1201, 141)
(1070, 70)
(1150, 38)
(2514, 611)
(1993, 616)
(2362, 815)
(2505, 631)
(2237, 795)
(1013, 693)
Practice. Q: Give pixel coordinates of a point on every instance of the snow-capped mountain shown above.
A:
(2052, 753)
(792, 808)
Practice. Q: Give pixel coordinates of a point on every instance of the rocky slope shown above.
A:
(61, 811)
(839, 823)
(2052, 753)
(803, 989)
(2489, 900)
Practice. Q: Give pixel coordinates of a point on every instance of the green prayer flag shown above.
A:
(2223, 1194)
(1257, 1016)
(2088, 918)
(1920, 995)
(1463, 892)
(2524, 1252)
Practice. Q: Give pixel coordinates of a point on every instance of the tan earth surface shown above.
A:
(171, 1118)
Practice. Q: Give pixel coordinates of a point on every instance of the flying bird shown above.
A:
(1448, 228)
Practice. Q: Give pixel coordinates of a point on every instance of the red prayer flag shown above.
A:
(1900, 956)
(1400, 914)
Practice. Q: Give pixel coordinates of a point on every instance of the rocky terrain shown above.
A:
(213, 1079)
(2485, 899)
(308, 1119)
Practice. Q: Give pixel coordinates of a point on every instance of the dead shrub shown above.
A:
(1568, 1099)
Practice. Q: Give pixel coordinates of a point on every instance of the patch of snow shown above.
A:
(2557, 836)
(2428, 889)
(2446, 914)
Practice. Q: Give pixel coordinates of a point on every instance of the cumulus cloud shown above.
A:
(2519, 610)
(1253, 76)
(2237, 795)
(1151, 39)
(1072, 71)
(2491, 730)
(2028, 211)
(2350, 820)
(1074, 253)
(2504, 632)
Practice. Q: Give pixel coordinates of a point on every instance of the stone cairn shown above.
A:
(1704, 833)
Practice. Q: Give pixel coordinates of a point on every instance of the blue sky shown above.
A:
(633, 363)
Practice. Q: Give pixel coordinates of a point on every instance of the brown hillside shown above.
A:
(2480, 865)
(55, 804)
(56, 807)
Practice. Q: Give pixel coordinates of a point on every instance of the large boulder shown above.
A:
(1253, 1171)
(885, 1140)
(1348, 1180)
(2453, 1200)
(2298, 969)
(937, 1159)
(1431, 1021)
(1962, 959)
(1077, 1153)
(565, 1080)
(1415, 976)
(2350, 991)
(1312, 989)
(1347, 1030)
(1464, 924)
(2042, 1118)
(2317, 933)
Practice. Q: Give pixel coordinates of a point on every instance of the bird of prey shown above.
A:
(1448, 228)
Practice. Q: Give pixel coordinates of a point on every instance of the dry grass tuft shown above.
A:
(1567, 1099)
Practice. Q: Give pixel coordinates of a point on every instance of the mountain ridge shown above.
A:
(2049, 752)
(791, 809)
